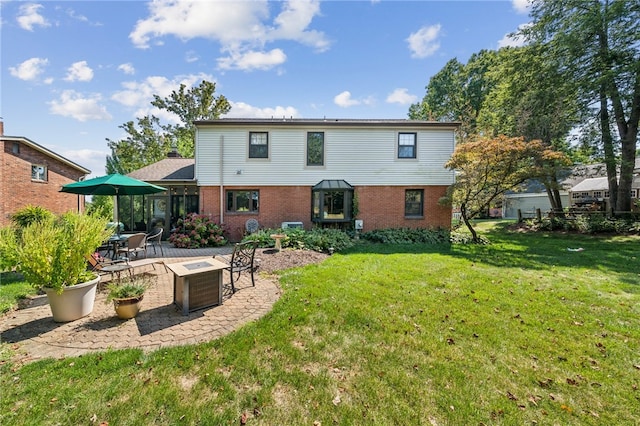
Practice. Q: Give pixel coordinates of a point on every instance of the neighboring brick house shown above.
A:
(30, 174)
(313, 171)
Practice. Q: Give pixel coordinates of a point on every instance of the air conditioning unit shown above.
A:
(288, 225)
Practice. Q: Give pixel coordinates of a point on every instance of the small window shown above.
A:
(39, 172)
(406, 145)
(606, 194)
(414, 203)
(258, 145)
(315, 149)
(597, 194)
(243, 201)
(16, 148)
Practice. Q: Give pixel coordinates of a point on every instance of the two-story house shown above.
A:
(322, 172)
(31, 174)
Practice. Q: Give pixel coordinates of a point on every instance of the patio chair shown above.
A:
(102, 265)
(136, 243)
(154, 240)
(242, 260)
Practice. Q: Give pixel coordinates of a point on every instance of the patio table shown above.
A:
(117, 269)
(115, 242)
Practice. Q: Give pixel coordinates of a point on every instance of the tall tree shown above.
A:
(532, 100)
(148, 139)
(488, 167)
(597, 44)
(457, 92)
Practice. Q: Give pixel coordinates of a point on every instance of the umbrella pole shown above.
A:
(117, 206)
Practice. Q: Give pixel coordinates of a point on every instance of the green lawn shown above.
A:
(522, 331)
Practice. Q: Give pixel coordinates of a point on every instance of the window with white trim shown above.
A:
(39, 172)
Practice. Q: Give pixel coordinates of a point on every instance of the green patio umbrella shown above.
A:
(114, 184)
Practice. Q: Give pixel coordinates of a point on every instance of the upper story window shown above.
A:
(414, 203)
(243, 201)
(406, 145)
(315, 149)
(258, 145)
(15, 148)
(39, 172)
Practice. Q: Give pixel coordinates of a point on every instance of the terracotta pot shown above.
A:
(74, 302)
(127, 308)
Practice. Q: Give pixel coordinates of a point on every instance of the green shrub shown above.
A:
(197, 231)
(8, 248)
(327, 240)
(407, 236)
(52, 253)
(318, 239)
(585, 224)
(30, 214)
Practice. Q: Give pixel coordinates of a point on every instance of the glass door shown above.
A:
(158, 216)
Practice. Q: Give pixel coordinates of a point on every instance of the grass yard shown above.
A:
(12, 289)
(522, 331)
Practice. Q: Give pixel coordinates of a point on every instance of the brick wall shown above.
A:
(18, 190)
(380, 207)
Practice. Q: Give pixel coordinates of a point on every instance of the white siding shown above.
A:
(358, 155)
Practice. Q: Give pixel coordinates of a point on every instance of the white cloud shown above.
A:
(424, 42)
(89, 158)
(191, 56)
(521, 6)
(127, 68)
(79, 71)
(30, 69)
(292, 22)
(82, 108)
(401, 96)
(512, 39)
(242, 28)
(29, 16)
(243, 110)
(344, 100)
(139, 94)
(251, 60)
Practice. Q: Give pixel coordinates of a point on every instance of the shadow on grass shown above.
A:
(618, 255)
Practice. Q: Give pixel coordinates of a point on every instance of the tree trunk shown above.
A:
(609, 151)
(628, 132)
(465, 219)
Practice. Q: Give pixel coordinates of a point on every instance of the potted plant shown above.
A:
(51, 254)
(127, 294)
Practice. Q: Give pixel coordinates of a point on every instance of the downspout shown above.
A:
(221, 180)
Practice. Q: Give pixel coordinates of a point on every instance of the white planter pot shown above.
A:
(74, 302)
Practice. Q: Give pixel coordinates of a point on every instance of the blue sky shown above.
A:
(73, 71)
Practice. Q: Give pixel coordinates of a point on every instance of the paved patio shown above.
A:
(34, 335)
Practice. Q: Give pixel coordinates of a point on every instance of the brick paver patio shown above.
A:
(34, 334)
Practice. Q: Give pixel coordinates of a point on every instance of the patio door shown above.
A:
(158, 215)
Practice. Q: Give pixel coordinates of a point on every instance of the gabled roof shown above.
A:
(45, 151)
(167, 169)
(600, 184)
